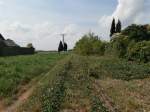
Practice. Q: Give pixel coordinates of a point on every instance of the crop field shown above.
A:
(18, 71)
(90, 84)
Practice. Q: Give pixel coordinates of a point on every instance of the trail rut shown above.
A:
(104, 98)
(24, 94)
(21, 99)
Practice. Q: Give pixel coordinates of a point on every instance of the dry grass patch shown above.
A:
(129, 96)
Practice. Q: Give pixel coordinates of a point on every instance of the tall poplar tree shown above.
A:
(113, 28)
(60, 47)
(65, 46)
(118, 27)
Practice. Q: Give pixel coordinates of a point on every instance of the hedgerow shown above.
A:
(132, 44)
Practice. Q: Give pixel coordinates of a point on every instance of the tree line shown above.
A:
(131, 43)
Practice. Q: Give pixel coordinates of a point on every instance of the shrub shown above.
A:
(83, 46)
(137, 32)
(139, 51)
(125, 44)
(90, 44)
(118, 46)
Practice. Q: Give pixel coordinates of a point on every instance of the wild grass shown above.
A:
(97, 105)
(19, 70)
(49, 92)
(69, 86)
(118, 69)
(126, 83)
(129, 96)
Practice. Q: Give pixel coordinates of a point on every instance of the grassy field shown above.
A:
(91, 84)
(125, 83)
(17, 71)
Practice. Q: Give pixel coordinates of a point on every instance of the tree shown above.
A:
(113, 28)
(118, 27)
(139, 51)
(136, 33)
(90, 44)
(60, 47)
(65, 46)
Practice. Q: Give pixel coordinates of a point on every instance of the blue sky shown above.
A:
(79, 11)
(40, 21)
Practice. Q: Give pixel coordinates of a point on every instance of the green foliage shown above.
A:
(14, 51)
(132, 43)
(65, 46)
(139, 51)
(118, 27)
(98, 106)
(113, 28)
(60, 47)
(118, 46)
(117, 69)
(19, 70)
(53, 95)
(122, 45)
(136, 33)
(68, 85)
(50, 92)
(90, 44)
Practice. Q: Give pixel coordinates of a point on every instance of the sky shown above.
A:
(41, 22)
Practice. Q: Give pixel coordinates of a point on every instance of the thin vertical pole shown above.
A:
(63, 35)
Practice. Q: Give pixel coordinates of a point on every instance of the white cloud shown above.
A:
(128, 11)
(44, 36)
(71, 28)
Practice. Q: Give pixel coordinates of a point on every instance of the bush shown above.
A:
(132, 43)
(139, 51)
(90, 44)
(118, 46)
(137, 32)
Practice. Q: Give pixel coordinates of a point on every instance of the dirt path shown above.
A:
(104, 98)
(21, 99)
(22, 96)
(1, 106)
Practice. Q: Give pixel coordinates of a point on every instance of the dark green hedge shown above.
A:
(12, 51)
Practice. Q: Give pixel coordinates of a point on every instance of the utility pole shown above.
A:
(63, 37)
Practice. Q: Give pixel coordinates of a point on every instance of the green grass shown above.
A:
(97, 106)
(20, 70)
(118, 69)
(70, 85)
(50, 91)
